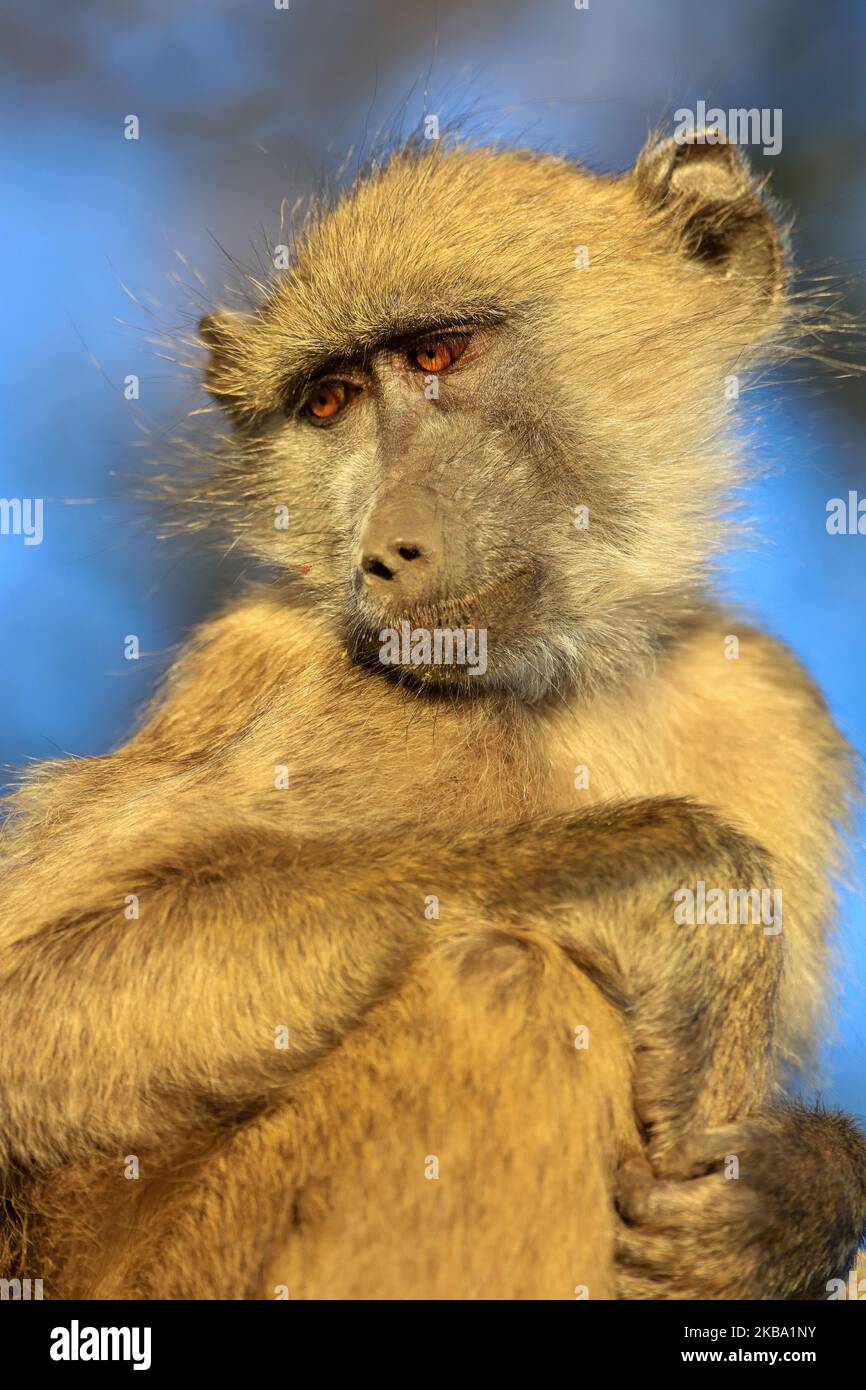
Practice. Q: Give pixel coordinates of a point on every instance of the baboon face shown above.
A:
(489, 393)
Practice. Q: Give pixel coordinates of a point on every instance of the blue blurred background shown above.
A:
(241, 105)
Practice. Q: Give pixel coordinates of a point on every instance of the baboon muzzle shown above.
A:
(411, 547)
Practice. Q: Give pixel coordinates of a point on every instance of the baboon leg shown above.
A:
(433, 1155)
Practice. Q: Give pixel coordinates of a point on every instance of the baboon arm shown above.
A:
(700, 999)
(242, 967)
(124, 1031)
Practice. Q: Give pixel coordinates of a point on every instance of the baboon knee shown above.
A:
(501, 961)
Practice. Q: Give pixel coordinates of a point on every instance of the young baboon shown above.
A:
(369, 953)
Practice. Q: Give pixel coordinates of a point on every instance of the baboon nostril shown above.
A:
(409, 552)
(371, 565)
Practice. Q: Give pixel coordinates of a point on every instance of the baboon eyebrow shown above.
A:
(392, 337)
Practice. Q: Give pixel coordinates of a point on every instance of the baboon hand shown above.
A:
(770, 1207)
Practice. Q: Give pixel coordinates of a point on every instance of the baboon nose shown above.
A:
(410, 565)
(402, 547)
(399, 553)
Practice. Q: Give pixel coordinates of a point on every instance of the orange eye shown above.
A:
(326, 401)
(437, 354)
(329, 398)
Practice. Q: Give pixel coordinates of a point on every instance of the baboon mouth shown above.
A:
(488, 605)
(451, 641)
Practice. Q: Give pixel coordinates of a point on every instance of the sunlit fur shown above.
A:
(303, 905)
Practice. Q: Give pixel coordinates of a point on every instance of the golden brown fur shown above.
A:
(303, 904)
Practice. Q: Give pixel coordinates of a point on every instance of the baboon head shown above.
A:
(492, 391)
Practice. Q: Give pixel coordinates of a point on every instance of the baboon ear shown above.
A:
(226, 334)
(715, 208)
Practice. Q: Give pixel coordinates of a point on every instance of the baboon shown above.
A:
(371, 968)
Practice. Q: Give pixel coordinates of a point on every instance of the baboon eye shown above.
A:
(436, 354)
(328, 398)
